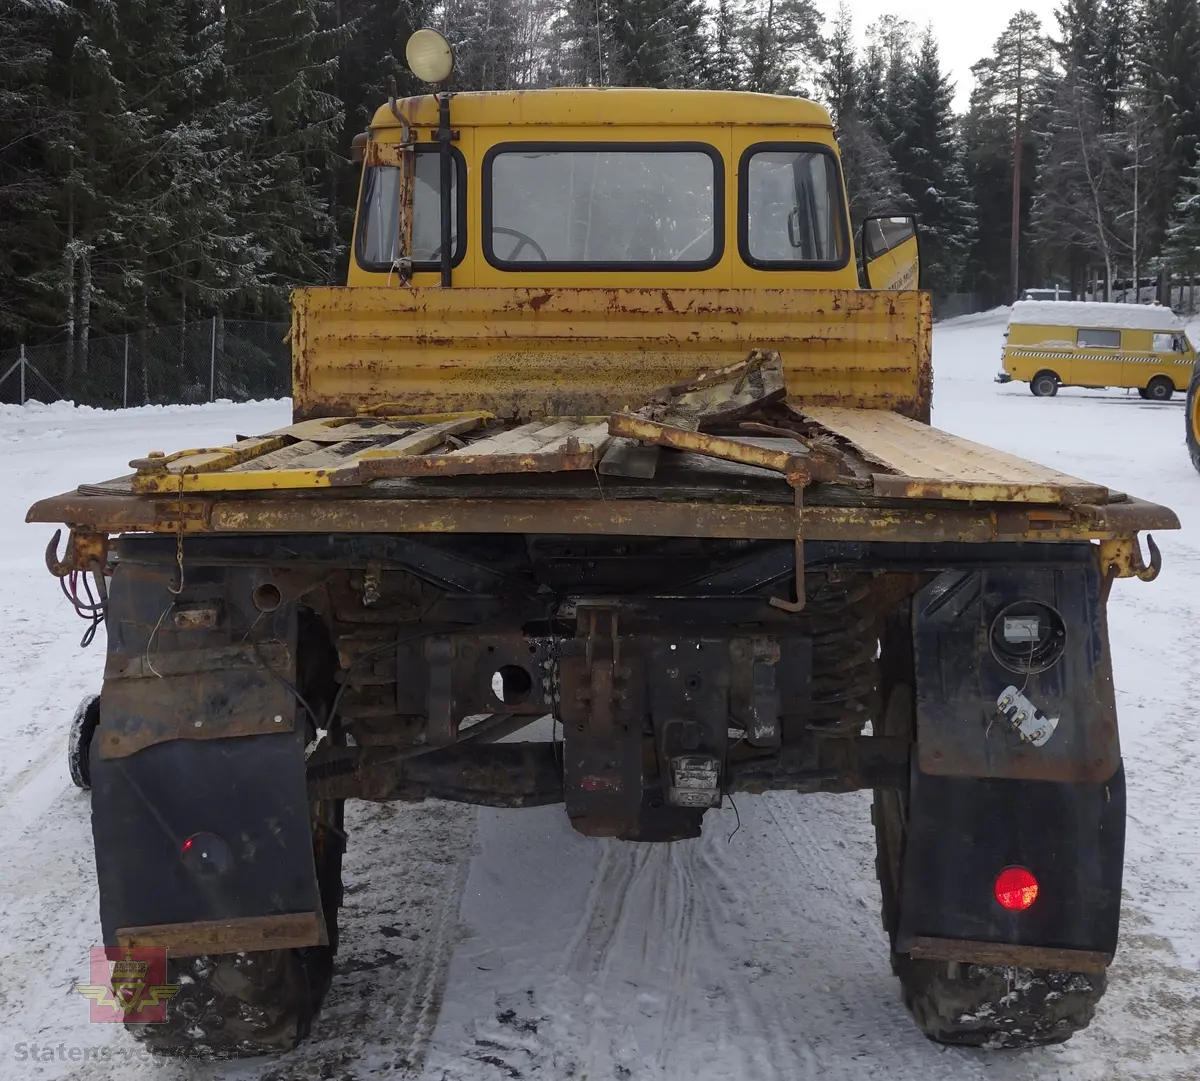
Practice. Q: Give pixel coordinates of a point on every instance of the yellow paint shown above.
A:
(898, 268)
(727, 121)
(525, 353)
(1032, 348)
(253, 480)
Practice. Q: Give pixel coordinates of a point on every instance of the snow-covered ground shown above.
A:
(499, 945)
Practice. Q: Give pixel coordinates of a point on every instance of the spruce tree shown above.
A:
(30, 114)
(1182, 248)
(839, 79)
(725, 65)
(931, 172)
(872, 185)
(1168, 69)
(582, 47)
(284, 132)
(658, 43)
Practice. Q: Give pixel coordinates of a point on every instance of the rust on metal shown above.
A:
(537, 352)
(291, 931)
(310, 454)
(1122, 558)
(84, 552)
(798, 604)
(1006, 953)
(799, 467)
(153, 697)
(963, 522)
(496, 775)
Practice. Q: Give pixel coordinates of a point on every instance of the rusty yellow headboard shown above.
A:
(588, 352)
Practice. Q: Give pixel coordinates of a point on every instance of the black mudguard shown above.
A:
(962, 832)
(982, 799)
(200, 736)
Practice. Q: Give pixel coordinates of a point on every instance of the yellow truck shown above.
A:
(1191, 420)
(1082, 344)
(605, 425)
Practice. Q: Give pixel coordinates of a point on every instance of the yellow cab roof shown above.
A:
(610, 106)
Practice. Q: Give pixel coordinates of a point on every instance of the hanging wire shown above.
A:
(91, 608)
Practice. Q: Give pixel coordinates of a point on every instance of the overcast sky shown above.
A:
(966, 29)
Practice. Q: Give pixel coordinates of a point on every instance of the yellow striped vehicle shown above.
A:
(1074, 344)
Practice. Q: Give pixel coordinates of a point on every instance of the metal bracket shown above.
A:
(1122, 558)
(1029, 722)
(84, 552)
(797, 482)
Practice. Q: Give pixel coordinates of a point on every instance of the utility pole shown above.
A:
(1014, 253)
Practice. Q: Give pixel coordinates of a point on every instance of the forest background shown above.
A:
(168, 161)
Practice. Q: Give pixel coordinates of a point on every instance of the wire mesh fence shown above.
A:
(237, 359)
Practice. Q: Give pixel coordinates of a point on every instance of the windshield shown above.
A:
(379, 229)
(599, 207)
(792, 208)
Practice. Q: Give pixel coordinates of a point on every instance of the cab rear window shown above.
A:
(380, 241)
(598, 206)
(790, 208)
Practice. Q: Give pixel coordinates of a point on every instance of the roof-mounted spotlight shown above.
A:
(429, 56)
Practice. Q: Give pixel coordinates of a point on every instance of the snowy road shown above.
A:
(500, 945)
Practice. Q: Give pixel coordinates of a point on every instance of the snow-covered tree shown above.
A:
(929, 160)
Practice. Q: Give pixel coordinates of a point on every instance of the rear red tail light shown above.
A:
(1016, 888)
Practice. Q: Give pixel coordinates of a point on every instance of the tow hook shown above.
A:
(84, 552)
(1123, 559)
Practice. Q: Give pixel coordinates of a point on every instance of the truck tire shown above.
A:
(1044, 384)
(79, 743)
(261, 1002)
(1192, 418)
(956, 1002)
(1159, 389)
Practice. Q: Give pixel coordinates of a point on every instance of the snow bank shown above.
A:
(1077, 313)
(65, 409)
(992, 315)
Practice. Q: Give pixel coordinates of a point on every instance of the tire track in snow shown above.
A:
(420, 1012)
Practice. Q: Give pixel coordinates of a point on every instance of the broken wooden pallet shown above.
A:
(919, 462)
(310, 454)
(541, 446)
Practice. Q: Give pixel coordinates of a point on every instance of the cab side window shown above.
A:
(1099, 339)
(1168, 343)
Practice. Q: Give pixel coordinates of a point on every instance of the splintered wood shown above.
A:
(720, 396)
(541, 446)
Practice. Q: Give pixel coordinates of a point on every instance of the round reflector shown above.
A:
(1016, 888)
(206, 855)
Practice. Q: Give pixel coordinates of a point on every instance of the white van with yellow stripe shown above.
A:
(1052, 344)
